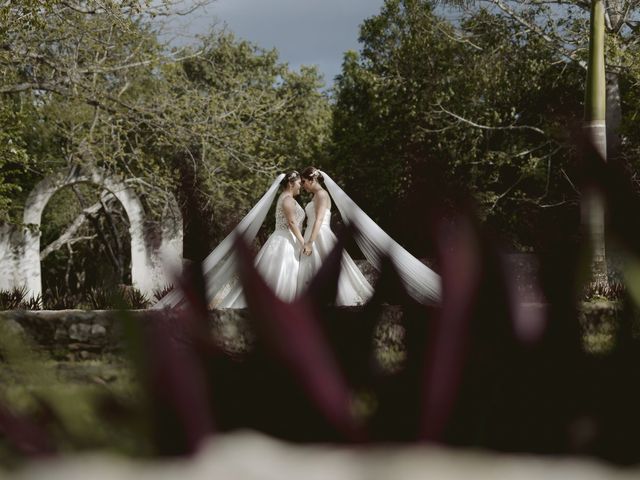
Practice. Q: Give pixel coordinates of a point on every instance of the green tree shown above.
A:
(229, 120)
(484, 103)
(574, 27)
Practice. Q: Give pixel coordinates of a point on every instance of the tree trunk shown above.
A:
(593, 212)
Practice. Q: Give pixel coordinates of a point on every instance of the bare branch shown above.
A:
(21, 87)
(564, 174)
(142, 63)
(189, 9)
(506, 192)
(488, 127)
(67, 236)
(459, 39)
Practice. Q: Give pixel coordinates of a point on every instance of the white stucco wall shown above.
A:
(156, 252)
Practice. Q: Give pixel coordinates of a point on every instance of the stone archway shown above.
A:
(155, 248)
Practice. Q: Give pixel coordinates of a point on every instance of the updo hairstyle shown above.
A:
(289, 177)
(312, 173)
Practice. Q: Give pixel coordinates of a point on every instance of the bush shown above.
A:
(58, 299)
(123, 296)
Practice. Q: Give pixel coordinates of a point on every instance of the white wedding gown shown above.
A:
(353, 287)
(288, 272)
(277, 261)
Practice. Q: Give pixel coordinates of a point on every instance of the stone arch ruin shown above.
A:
(156, 248)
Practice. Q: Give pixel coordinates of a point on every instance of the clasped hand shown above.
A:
(307, 250)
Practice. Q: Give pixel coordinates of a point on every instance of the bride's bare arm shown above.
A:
(289, 207)
(321, 203)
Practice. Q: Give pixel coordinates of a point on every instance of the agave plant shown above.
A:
(33, 303)
(120, 297)
(55, 298)
(134, 298)
(103, 298)
(13, 299)
(160, 293)
(16, 299)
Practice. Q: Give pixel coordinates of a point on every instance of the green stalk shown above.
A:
(595, 132)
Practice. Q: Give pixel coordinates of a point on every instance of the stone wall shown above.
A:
(71, 333)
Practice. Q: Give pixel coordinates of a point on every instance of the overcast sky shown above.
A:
(305, 32)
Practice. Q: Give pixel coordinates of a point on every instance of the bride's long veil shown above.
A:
(422, 283)
(220, 265)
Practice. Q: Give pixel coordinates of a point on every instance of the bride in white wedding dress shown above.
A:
(319, 241)
(279, 258)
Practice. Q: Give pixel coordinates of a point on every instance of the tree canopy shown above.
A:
(91, 84)
(486, 104)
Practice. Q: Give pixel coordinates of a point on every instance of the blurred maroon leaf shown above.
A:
(25, 435)
(293, 334)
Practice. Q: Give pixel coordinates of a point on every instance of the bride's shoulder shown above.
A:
(283, 196)
(287, 200)
(321, 195)
(323, 198)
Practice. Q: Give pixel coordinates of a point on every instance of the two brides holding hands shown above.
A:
(289, 259)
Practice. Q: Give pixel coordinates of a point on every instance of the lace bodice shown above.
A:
(281, 218)
(311, 214)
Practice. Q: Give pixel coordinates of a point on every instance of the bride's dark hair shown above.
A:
(312, 173)
(290, 176)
